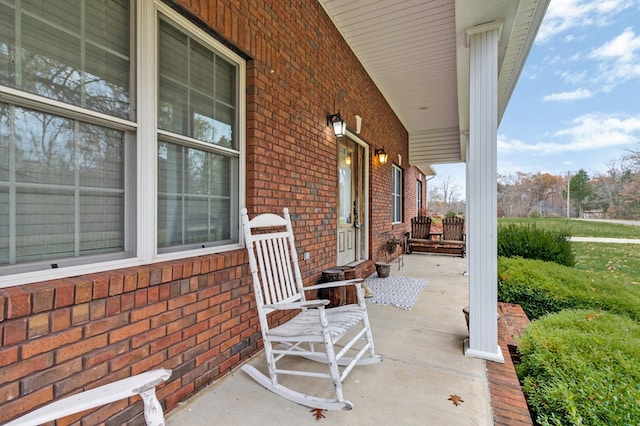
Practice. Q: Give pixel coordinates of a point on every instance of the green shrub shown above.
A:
(545, 287)
(531, 242)
(580, 368)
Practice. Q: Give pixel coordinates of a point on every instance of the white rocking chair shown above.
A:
(314, 333)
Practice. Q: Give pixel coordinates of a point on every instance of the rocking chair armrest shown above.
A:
(354, 281)
(297, 305)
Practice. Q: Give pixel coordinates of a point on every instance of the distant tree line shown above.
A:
(613, 194)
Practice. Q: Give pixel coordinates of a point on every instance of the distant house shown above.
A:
(132, 132)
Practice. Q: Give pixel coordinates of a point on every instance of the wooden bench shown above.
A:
(452, 241)
(142, 384)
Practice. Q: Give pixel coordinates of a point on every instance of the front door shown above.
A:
(350, 201)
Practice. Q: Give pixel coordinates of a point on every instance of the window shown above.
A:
(198, 152)
(396, 193)
(418, 196)
(63, 143)
(78, 137)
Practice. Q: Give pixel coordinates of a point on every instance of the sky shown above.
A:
(577, 102)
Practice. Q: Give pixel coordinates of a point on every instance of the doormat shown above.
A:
(401, 292)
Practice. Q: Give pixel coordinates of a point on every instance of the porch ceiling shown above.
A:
(416, 53)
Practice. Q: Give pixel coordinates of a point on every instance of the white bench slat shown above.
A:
(143, 384)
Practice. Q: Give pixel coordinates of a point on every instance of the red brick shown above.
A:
(207, 355)
(167, 274)
(20, 406)
(80, 380)
(9, 392)
(148, 311)
(97, 309)
(60, 319)
(18, 302)
(99, 415)
(130, 282)
(80, 348)
(20, 369)
(143, 278)
(116, 285)
(128, 331)
(181, 324)
(50, 342)
(165, 318)
(195, 307)
(106, 354)
(38, 325)
(127, 301)
(41, 297)
(195, 329)
(15, 331)
(106, 324)
(141, 298)
(182, 300)
(127, 359)
(84, 290)
(8, 355)
(2, 305)
(155, 276)
(100, 288)
(80, 314)
(50, 376)
(148, 337)
(181, 347)
(113, 306)
(149, 363)
(64, 294)
(166, 342)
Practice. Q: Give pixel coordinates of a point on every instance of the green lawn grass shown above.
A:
(580, 228)
(620, 261)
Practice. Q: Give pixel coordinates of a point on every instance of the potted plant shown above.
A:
(392, 244)
(383, 269)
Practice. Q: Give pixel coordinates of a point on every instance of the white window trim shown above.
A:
(396, 170)
(146, 21)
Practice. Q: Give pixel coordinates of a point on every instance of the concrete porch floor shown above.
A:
(423, 365)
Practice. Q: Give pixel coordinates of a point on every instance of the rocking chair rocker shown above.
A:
(315, 333)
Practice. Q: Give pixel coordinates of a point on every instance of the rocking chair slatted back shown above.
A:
(274, 263)
(453, 229)
(421, 227)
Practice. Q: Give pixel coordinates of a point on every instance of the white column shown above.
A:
(482, 192)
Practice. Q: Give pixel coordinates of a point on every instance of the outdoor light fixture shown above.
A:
(338, 124)
(382, 155)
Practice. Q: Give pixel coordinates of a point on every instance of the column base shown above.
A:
(489, 356)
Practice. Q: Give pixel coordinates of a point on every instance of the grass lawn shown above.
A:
(621, 261)
(580, 228)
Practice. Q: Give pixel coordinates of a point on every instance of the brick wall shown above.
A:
(196, 316)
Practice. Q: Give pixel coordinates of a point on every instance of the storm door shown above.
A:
(351, 220)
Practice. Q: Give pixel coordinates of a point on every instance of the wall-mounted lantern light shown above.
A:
(382, 155)
(338, 124)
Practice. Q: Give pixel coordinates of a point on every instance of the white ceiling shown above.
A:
(415, 51)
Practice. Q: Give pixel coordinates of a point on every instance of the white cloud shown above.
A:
(573, 78)
(564, 15)
(588, 132)
(621, 49)
(619, 60)
(569, 96)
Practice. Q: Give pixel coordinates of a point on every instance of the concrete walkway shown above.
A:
(423, 365)
(604, 240)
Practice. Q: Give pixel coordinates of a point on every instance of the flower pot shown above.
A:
(383, 269)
